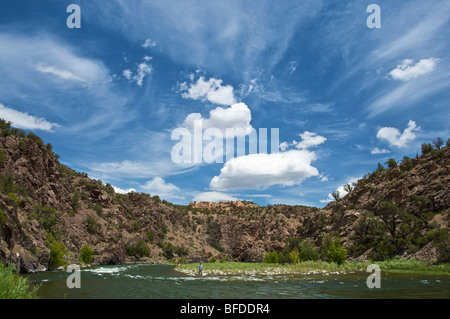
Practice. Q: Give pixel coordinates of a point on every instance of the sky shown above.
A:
(121, 96)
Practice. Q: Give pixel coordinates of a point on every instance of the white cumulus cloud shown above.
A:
(376, 150)
(142, 70)
(395, 138)
(149, 44)
(25, 121)
(119, 190)
(260, 171)
(214, 197)
(309, 139)
(211, 90)
(158, 186)
(407, 70)
(238, 116)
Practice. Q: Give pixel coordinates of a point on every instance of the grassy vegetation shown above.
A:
(14, 286)
(315, 267)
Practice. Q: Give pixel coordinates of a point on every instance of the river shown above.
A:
(164, 282)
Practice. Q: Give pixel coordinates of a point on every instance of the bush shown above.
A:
(337, 252)
(14, 286)
(308, 252)
(336, 195)
(57, 252)
(35, 138)
(7, 185)
(151, 236)
(86, 255)
(407, 163)
(139, 249)
(380, 168)
(271, 258)
(391, 163)
(2, 157)
(426, 148)
(438, 142)
(91, 224)
(48, 218)
(98, 209)
(294, 256)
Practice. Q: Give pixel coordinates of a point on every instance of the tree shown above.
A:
(337, 252)
(336, 195)
(86, 254)
(349, 187)
(407, 163)
(391, 163)
(380, 168)
(390, 214)
(438, 142)
(426, 148)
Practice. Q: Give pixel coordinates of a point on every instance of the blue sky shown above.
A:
(344, 97)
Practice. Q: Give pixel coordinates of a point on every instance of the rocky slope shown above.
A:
(46, 208)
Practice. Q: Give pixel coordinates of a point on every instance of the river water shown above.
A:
(164, 282)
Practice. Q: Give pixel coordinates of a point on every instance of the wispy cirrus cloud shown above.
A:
(63, 74)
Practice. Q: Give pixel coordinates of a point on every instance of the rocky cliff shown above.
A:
(50, 213)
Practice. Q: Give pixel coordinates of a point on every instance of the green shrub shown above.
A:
(337, 252)
(380, 168)
(98, 209)
(136, 225)
(426, 148)
(271, 257)
(7, 185)
(168, 251)
(57, 252)
(91, 224)
(139, 249)
(2, 157)
(438, 142)
(307, 251)
(5, 126)
(48, 218)
(294, 256)
(15, 286)
(391, 163)
(3, 217)
(35, 138)
(151, 236)
(407, 164)
(181, 251)
(86, 255)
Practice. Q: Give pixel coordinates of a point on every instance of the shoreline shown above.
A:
(313, 268)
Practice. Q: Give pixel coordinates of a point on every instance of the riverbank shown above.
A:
(313, 268)
(15, 286)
